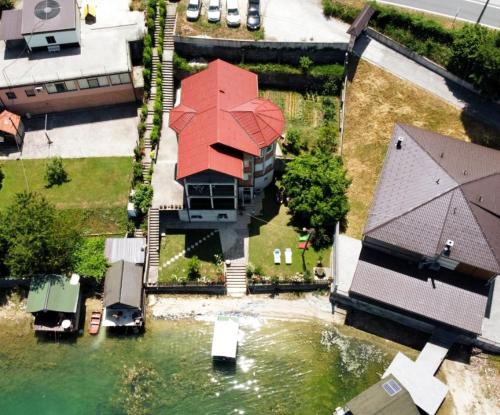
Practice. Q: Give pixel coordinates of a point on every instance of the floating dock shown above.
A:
(225, 340)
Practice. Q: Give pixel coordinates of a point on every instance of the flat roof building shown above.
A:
(59, 63)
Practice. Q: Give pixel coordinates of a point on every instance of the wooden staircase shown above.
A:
(154, 237)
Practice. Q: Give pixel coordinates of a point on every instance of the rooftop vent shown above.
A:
(480, 199)
(447, 248)
(399, 143)
(466, 172)
(47, 9)
(442, 155)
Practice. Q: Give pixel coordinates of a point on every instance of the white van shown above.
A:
(233, 17)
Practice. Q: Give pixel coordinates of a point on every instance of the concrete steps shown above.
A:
(154, 237)
(236, 280)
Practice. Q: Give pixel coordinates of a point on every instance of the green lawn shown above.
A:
(96, 193)
(273, 230)
(177, 241)
(303, 112)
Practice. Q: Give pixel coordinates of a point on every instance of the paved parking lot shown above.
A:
(94, 132)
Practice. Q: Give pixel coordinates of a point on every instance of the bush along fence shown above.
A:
(150, 121)
(325, 79)
(471, 52)
(186, 288)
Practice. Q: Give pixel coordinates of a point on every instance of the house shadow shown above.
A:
(270, 209)
(386, 329)
(19, 50)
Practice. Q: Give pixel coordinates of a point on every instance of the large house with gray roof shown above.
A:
(431, 245)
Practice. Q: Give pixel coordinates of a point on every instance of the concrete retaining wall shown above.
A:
(286, 288)
(398, 47)
(186, 289)
(238, 51)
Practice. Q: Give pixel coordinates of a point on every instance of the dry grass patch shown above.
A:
(376, 100)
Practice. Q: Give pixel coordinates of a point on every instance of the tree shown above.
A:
(305, 64)
(55, 174)
(293, 141)
(89, 258)
(317, 185)
(194, 266)
(35, 238)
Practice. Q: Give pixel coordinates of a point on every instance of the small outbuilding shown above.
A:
(54, 301)
(123, 295)
(386, 397)
(11, 129)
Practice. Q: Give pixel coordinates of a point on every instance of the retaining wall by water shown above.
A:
(434, 67)
(286, 288)
(238, 51)
(185, 289)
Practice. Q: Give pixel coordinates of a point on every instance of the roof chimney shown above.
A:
(399, 143)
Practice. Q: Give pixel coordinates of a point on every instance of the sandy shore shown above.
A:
(303, 308)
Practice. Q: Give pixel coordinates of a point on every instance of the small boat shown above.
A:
(225, 340)
(95, 322)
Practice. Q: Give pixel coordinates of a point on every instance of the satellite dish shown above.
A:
(47, 9)
(66, 324)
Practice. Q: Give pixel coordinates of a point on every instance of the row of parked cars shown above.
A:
(233, 17)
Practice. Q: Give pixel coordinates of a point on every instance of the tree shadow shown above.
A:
(270, 209)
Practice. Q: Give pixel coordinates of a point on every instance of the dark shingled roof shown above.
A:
(444, 296)
(123, 285)
(437, 188)
(377, 401)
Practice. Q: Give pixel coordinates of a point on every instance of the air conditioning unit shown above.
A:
(38, 89)
(447, 247)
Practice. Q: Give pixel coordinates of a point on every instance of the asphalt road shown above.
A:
(468, 10)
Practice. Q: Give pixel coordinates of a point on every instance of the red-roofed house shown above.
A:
(227, 141)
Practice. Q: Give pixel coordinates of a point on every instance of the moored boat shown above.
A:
(95, 322)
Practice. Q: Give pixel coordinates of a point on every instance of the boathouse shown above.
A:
(54, 301)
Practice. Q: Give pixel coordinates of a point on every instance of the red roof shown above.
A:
(219, 118)
(9, 122)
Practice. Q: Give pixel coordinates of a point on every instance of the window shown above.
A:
(60, 87)
(71, 85)
(120, 78)
(93, 82)
(11, 95)
(103, 81)
(222, 216)
(269, 149)
(50, 39)
(200, 203)
(30, 92)
(224, 203)
(223, 190)
(196, 217)
(83, 84)
(199, 190)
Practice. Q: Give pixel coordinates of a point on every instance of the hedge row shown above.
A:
(471, 52)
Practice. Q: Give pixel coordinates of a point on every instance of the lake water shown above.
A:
(282, 368)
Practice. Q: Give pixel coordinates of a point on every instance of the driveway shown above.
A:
(300, 21)
(93, 132)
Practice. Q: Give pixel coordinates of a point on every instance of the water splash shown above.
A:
(355, 355)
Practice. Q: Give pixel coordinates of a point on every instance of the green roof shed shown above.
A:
(53, 293)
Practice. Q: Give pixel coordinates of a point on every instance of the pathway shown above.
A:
(188, 248)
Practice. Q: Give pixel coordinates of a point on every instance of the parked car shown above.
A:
(213, 13)
(253, 15)
(193, 10)
(233, 17)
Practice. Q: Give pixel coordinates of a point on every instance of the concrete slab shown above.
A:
(347, 254)
(431, 357)
(168, 192)
(426, 391)
(94, 132)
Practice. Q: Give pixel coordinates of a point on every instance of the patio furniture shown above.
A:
(288, 256)
(277, 256)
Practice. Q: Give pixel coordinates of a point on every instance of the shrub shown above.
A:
(6, 5)
(136, 173)
(329, 109)
(258, 270)
(157, 119)
(144, 112)
(55, 174)
(328, 139)
(141, 128)
(293, 141)
(305, 63)
(143, 197)
(159, 50)
(148, 41)
(138, 149)
(194, 266)
(155, 135)
(146, 73)
(158, 105)
(89, 258)
(147, 56)
(341, 11)
(250, 271)
(2, 176)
